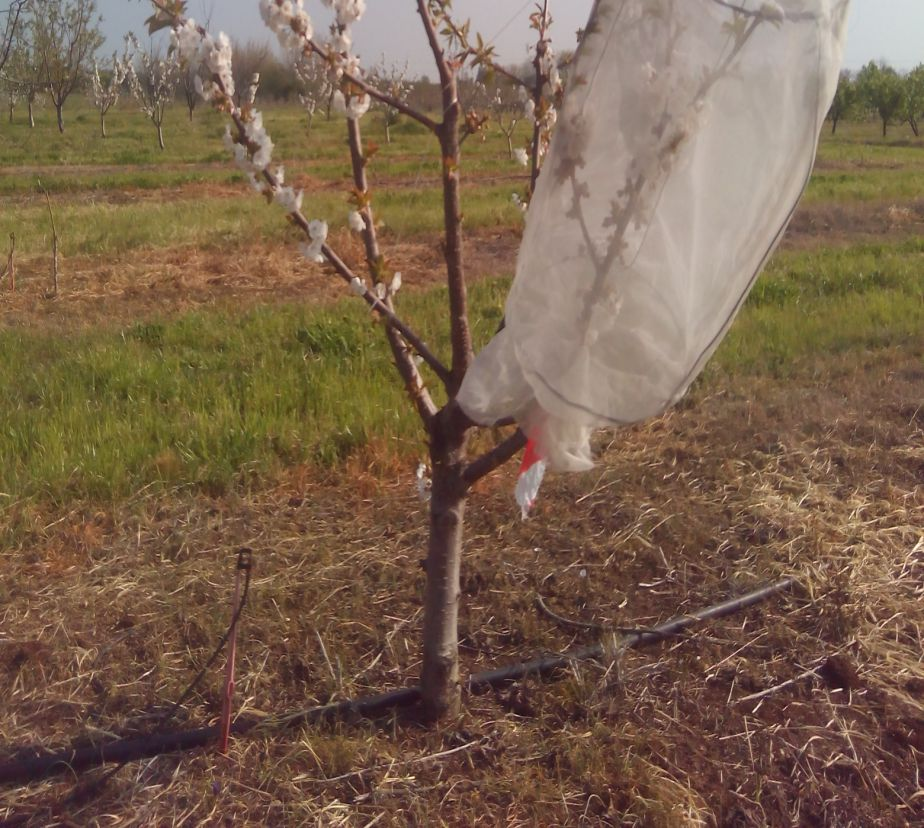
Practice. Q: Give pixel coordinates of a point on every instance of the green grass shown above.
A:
(213, 398)
(865, 185)
(206, 398)
(809, 306)
(132, 139)
(104, 228)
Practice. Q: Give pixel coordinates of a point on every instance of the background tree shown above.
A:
(188, 76)
(882, 90)
(845, 100)
(106, 88)
(23, 75)
(153, 84)
(12, 19)
(12, 98)
(313, 86)
(391, 79)
(65, 35)
(250, 58)
(507, 111)
(914, 97)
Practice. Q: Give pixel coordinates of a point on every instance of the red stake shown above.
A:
(243, 563)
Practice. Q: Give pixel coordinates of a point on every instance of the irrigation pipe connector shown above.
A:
(29, 764)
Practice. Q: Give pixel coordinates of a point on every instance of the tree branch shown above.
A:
(404, 361)
(460, 331)
(383, 97)
(500, 454)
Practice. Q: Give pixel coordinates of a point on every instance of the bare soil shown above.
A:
(808, 710)
(157, 281)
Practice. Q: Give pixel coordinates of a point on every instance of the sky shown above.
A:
(889, 30)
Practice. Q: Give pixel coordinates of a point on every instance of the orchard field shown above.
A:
(196, 386)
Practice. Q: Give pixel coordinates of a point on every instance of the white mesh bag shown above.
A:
(686, 136)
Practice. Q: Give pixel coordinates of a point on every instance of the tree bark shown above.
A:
(441, 689)
(59, 110)
(31, 116)
(160, 136)
(102, 124)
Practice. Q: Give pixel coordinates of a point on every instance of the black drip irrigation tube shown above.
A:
(29, 764)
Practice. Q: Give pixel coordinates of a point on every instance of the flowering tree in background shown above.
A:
(23, 75)
(105, 90)
(313, 84)
(447, 427)
(154, 85)
(391, 79)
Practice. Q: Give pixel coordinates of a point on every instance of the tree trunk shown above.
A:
(31, 116)
(387, 133)
(441, 690)
(12, 107)
(59, 110)
(833, 125)
(160, 136)
(885, 126)
(509, 144)
(914, 127)
(102, 124)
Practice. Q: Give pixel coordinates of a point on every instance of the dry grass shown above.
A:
(808, 710)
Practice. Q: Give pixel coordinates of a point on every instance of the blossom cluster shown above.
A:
(196, 48)
(106, 95)
(289, 21)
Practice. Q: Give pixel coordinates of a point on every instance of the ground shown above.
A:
(800, 452)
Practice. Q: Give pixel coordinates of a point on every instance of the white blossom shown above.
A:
(358, 286)
(347, 11)
(288, 199)
(289, 21)
(521, 156)
(356, 221)
(395, 285)
(424, 484)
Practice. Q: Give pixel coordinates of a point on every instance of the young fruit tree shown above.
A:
(153, 85)
(65, 35)
(631, 267)
(105, 89)
(22, 78)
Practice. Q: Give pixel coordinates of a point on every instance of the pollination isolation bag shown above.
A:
(687, 134)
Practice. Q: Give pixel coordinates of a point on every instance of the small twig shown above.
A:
(11, 263)
(811, 673)
(419, 760)
(500, 454)
(54, 243)
(570, 623)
